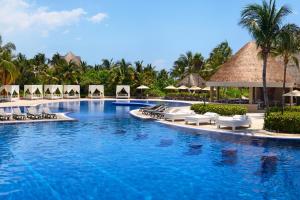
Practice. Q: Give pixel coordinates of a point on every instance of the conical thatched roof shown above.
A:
(72, 57)
(192, 80)
(294, 71)
(244, 69)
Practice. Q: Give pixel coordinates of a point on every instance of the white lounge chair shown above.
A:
(179, 114)
(235, 121)
(208, 117)
(47, 113)
(4, 115)
(32, 113)
(17, 114)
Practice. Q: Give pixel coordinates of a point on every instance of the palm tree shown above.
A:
(70, 73)
(264, 22)
(287, 45)
(10, 47)
(188, 63)
(8, 70)
(107, 64)
(218, 56)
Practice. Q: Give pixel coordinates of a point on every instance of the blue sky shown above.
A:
(156, 31)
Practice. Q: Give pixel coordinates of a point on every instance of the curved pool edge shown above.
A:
(260, 134)
(26, 103)
(62, 117)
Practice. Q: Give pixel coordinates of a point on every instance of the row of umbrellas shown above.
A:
(172, 87)
(183, 87)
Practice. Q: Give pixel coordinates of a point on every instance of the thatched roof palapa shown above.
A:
(244, 69)
(191, 80)
(71, 57)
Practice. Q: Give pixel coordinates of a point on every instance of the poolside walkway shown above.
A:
(255, 131)
(61, 117)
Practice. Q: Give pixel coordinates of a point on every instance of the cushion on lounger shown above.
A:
(240, 117)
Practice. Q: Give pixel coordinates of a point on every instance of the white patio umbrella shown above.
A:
(142, 87)
(206, 89)
(183, 87)
(171, 87)
(195, 88)
(294, 93)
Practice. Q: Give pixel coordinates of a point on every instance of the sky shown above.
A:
(155, 31)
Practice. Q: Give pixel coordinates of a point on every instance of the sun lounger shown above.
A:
(149, 108)
(235, 121)
(179, 114)
(154, 113)
(4, 115)
(17, 114)
(161, 114)
(32, 113)
(208, 117)
(47, 113)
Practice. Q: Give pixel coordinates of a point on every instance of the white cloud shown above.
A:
(19, 15)
(99, 17)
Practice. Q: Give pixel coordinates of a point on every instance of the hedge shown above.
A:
(187, 96)
(288, 122)
(286, 108)
(221, 109)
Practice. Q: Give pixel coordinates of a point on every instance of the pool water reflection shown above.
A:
(108, 154)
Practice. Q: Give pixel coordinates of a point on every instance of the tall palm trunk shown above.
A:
(264, 77)
(284, 81)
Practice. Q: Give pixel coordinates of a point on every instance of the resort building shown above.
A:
(53, 91)
(32, 92)
(123, 92)
(72, 91)
(244, 70)
(9, 92)
(96, 91)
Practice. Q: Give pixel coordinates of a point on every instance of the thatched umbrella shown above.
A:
(142, 87)
(193, 79)
(171, 87)
(183, 87)
(195, 88)
(294, 93)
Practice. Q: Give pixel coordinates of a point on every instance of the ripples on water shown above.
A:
(109, 155)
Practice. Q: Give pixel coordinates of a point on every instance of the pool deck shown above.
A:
(61, 117)
(256, 130)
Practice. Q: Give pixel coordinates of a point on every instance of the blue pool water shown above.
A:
(108, 154)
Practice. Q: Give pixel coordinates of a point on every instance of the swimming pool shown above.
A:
(108, 154)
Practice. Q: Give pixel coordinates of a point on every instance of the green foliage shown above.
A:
(219, 55)
(155, 92)
(187, 96)
(186, 64)
(229, 93)
(286, 109)
(221, 109)
(288, 122)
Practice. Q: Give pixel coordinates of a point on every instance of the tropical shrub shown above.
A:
(221, 109)
(155, 92)
(187, 96)
(288, 122)
(287, 109)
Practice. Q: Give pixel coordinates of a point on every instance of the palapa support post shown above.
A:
(211, 94)
(218, 93)
(251, 92)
